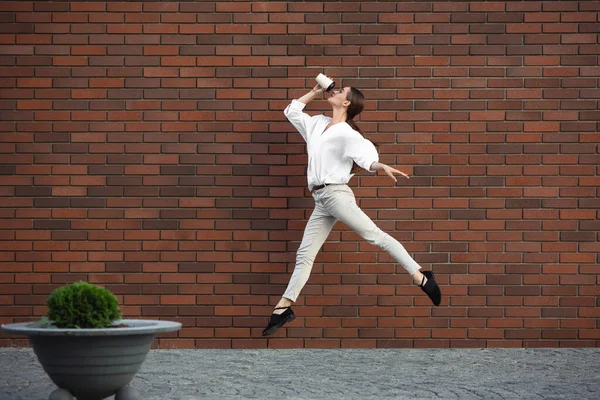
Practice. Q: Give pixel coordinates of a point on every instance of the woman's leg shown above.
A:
(342, 205)
(317, 229)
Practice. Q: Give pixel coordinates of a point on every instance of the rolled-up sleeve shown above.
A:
(362, 151)
(303, 122)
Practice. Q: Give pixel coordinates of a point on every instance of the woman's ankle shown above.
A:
(417, 277)
(284, 303)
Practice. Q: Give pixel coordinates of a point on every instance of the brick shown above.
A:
(589, 27)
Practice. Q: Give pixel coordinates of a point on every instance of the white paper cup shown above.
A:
(325, 82)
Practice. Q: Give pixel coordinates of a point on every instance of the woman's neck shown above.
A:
(339, 115)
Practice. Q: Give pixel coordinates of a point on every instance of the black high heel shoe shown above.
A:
(278, 320)
(431, 288)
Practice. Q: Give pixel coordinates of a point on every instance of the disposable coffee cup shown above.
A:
(325, 82)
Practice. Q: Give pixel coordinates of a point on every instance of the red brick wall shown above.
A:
(144, 148)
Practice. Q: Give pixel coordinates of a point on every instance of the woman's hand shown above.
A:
(377, 166)
(317, 89)
(391, 171)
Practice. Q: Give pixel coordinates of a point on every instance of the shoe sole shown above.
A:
(274, 329)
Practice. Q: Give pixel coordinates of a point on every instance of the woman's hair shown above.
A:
(357, 104)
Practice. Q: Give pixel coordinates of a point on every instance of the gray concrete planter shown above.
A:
(93, 364)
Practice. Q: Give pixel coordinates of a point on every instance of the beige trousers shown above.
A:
(337, 203)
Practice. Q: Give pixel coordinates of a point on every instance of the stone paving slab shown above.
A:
(346, 374)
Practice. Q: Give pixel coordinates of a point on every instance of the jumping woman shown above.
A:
(334, 146)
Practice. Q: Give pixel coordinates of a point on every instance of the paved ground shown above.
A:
(339, 374)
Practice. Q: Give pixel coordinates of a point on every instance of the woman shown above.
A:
(334, 146)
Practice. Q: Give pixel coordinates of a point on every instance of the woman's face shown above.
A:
(337, 97)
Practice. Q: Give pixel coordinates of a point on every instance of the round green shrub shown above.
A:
(82, 306)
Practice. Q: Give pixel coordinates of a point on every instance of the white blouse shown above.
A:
(331, 153)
